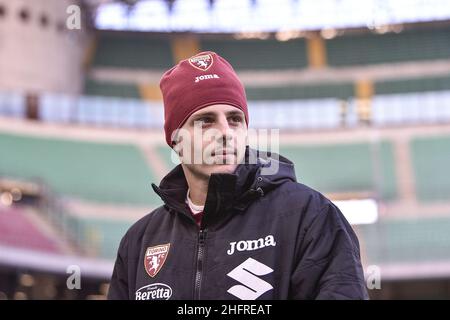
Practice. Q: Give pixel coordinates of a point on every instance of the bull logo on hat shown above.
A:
(202, 62)
(155, 257)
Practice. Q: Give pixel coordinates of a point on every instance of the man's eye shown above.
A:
(236, 119)
(204, 121)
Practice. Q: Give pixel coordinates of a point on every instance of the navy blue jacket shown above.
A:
(261, 237)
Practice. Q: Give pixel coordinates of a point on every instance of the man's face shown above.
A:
(212, 140)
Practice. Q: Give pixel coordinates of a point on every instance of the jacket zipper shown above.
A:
(199, 269)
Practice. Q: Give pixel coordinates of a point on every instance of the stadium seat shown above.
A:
(99, 172)
(99, 237)
(431, 158)
(339, 91)
(260, 54)
(417, 45)
(19, 231)
(406, 240)
(111, 89)
(325, 167)
(412, 85)
(132, 51)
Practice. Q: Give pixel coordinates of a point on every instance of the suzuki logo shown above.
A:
(246, 273)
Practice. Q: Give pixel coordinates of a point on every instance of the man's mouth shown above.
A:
(224, 152)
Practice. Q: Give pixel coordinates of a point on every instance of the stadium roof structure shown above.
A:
(231, 16)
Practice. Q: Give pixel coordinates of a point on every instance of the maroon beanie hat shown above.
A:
(195, 83)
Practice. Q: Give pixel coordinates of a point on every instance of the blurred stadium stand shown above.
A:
(114, 173)
(17, 230)
(367, 49)
(132, 51)
(332, 177)
(364, 113)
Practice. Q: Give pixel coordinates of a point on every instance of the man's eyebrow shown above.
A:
(213, 114)
(235, 112)
(203, 114)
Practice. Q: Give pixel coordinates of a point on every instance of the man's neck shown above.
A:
(198, 192)
(198, 188)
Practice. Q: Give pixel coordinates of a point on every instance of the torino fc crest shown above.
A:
(155, 257)
(202, 62)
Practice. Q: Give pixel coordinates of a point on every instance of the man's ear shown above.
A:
(178, 151)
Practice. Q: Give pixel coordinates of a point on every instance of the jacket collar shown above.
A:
(227, 192)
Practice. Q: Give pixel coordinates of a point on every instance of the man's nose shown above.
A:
(224, 128)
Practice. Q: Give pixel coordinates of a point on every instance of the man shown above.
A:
(227, 230)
